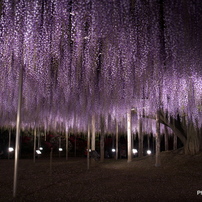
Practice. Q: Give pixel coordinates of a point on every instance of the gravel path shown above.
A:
(177, 179)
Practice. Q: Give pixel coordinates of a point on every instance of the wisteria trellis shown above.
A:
(84, 57)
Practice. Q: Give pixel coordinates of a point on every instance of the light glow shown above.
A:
(38, 151)
(10, 149)
(149, 152)
(135, 151)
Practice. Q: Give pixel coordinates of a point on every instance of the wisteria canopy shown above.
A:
(99, 57)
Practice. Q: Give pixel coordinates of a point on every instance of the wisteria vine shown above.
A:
(99, 57)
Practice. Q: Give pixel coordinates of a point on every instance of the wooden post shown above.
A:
(93, 139)
(51, 160)
(132, 135)
(17, 140)
(132, 140)
(129, 136)
(75, 145)
(102, 140)
(148, 142)
(9, 143)
(93, 134)
(39, 141)
(34, 149)
(157, 140)
(67, 141)
(140, 139)
(117, 140)
(113, 147)
(174, 142)
(45, 134)
(154, 143)
(88, 148)
(166, 138)
(59, 146)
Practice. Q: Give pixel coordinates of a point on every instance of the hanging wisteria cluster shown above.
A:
(102, 58)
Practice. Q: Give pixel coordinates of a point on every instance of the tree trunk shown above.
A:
(189, 134)
(193, 143)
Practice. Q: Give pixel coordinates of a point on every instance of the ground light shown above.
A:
(149, 152)
(89, 150)
(113, 150)
(135, 151)
(40, 148)
(38, 151)
(60, 149)
(10, 149)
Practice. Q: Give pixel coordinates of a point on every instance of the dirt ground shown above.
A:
(177, 179)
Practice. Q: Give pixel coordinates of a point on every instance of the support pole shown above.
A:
(157, 140)
(34, 149)
(75, 145)
(59, 146)
(88, 148)
(9, 143)
(17, 141)
(166, 138)
(93, 134)
(45, 134)
(153, 143)
(174, 142)
(39, 141)
(51, 160)
(132, 140)
(102, 140)
(148, 142)
(93, 158)
(129, 136)
(132, 135)
(117, 140)
(67, 145)
(140, 139)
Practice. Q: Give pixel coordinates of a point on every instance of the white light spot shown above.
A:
(149, 152)
(38, 151)
(10, 149)
(135, 151)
